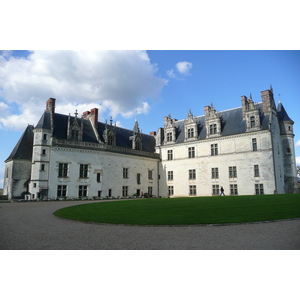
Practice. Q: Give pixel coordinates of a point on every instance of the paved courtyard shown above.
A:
(33, 226)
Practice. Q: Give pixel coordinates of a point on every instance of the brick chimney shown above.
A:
(267, 101)
(153, 133)
(94, 116)
(50, 105)
(207, 110)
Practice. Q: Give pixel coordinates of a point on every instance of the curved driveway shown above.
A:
(33, 226)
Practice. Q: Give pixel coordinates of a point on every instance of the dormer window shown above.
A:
(213, 129)
(75, 135)
(252, 122)
(190, 133)
(169, 137)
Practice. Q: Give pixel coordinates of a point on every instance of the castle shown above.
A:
(247, 150)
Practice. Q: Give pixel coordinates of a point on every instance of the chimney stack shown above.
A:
(267, 101)
(50, 105)
(94, 116)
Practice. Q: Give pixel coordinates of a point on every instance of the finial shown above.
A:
(279, 101)
(271, 88)
(111, 120)
(250, 96)
(76, 113)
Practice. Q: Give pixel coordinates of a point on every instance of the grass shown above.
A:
(187, 211)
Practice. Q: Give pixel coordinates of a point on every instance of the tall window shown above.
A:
(191, 152)
(215, 190)
(170, 175)
(259, 189)
(256, 171)
(138, 178)
(232, 172)
(214, 149)
(214, 172)
(44, 152)
(45, 137)
(110, 139)
(170, 190)
(62, 170)
(252, 121)
(82, 191)
(98, 177)
(213, 129)
(61, 191)
(254, 145)
(170, 154)
(193, 190)
(169, 137)
(150, 191)
(190, 133)
(150, 174)
(83, 171)
(125, 191)
(192, 174)
(99, 193)
(42, 167)
(75, 135)
(125, 172)
(233, 189)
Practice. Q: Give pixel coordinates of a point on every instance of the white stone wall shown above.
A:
(109, 164)
(232, 151)
(17, 175)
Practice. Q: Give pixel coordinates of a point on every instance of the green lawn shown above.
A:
(184, 211)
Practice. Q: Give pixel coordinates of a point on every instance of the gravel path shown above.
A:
(33, 226)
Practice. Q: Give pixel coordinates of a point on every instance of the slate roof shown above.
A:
(122, 134)
(282, 114)
(23, 149)
(232, 123)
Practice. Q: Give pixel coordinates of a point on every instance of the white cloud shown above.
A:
(297, 144)
(298, 160)
(119, 81)
(184, 67)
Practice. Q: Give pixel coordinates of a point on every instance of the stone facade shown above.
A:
(247, 150)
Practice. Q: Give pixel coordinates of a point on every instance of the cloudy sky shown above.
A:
(146, 85)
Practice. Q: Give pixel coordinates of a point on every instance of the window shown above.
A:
(150, 191)
(169, 137)
(256, 171)
(99, 194)
(170, 175)
(125, 191)
(44, 152)
(213, 129)
(288, 150)
(190, 133)
(170, 154)
(83, 171)
(215, 189)
(214, 149)
(150, 174)
(170, 190)
(125, 172)
(138, 178)
(252, 121)
(98, 177)
(193, 190)
(138, 192)
(232, 172)
(62, 170)
(192, 174)
(254, 145)
(259, 189)
(214, 172)
(82, 192)
(34, 185)
(42, 167)
(233, 189)
(61, 191)
(110, 140)
(75, 135)
(109, 192)
(191, 152)
(45, 137)
(7, 171)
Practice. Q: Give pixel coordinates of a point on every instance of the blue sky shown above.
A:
(146, 85)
